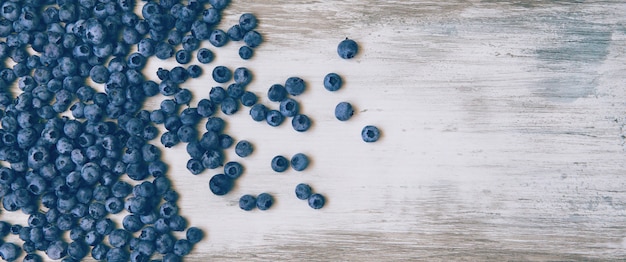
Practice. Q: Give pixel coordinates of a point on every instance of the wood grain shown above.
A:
(502, 123)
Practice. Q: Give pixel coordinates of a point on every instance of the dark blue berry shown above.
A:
(215, 124)
(299, 162)
(212, 159)
(194, 71)
(280, 163)
(347, 49)
(252, 39)
(205, 56)
(370, 134)
(217, 94)
(195, 166)
(245, 52)
(218, 38)
(258, 112)
(247, 21)
(248, 99)
(289, 107)
(229, 106)
(247, 202)
(274, 118)
(264, 201)
(56, 250)
(220, 184)
(332, 82)
(277, 93)
(301, 123)
(211, 16)
(344, 111)
(233, 169)
(194, 235)
(303, 191)
(316, 201)
(244, 148)
(295, 86)
(182, 247)
(183, 56)
(221, 74)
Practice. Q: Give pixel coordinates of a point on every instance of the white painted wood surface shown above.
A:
(502, 123)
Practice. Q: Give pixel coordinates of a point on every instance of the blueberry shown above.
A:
(164, 243)
(347, 49)
(220, 184)
(316, 201)
(264, 201)
(168, 210)
(32, 257)
(105, 226)
(225, 141)
(233, 169)
(119, 237)
(194, 71)
(301, 123)
(114, 205)
(299, 162)
(218, 38)
(92, 238)
(132, 223)
(247, 202)
(248, 99)
(295, 86)
(212, 159)
(370, 134)
(247, 21)
(280, 163)
(244, 148)
(332, 82)
(245, 52)
(277, 93)
(289, 107)
(195, 166)
(211, 16)
(100, 251)
(274, 118)
(56, 250)
(163, 50)
(117, 254)
(221, 74)
(219, 4)
(169, 139)
(215, 124)
(194, 235)
(209, 141)
(206, 108)
(77, 250)
(9, 251)
(217, 94)
(252, 39)
(343, 111)
(229, 106)
(303, 191)
(204, 55)
(183, 56)
(182, 247)
(235, 33)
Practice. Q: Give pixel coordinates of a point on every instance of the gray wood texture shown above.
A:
(502, 134)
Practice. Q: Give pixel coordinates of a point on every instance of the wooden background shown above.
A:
(502, 134)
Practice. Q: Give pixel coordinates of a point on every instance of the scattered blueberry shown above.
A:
(301, 123)
(220, 184)
(244, 148)
(303, 191)
(247, 202)
(332, 82)
(264, 201)
(280, 163)
(299, 162)
(343, 111)
(316, 201)
(347, 49)
(370, 134)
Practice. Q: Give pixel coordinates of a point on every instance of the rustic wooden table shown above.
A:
(502, 134)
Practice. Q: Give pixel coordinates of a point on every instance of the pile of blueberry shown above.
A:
(76, 141)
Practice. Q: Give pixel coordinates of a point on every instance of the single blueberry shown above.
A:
(233, 169)
(289, 107)
(280, 163)
(204, 55)
(247, 202)
(332, 82)
(343, 111)
(245, 52)
(274, 118)
(247, 21)
(370, 134)
(218, 38)
(229, 106)
(252, 39)
(194, 235)
(244, 148)
(303, 191)
(264, 201)
(220, 184)
(295, 86)
(221, 74)
(316, 201)
(347, 49)
(248, 98)
(299, 162)
(277, 93)
(301, 123)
